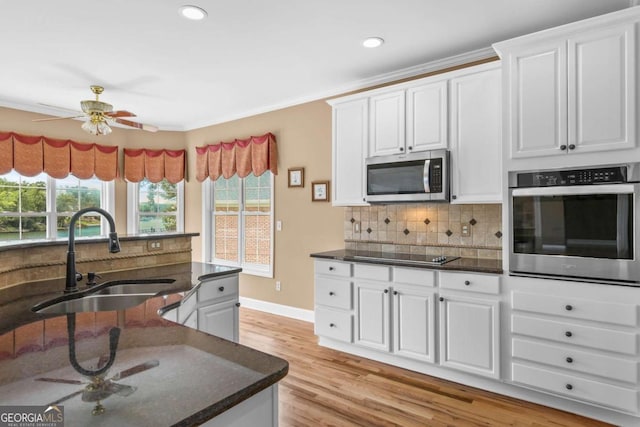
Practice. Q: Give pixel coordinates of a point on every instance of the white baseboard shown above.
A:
(279, 309)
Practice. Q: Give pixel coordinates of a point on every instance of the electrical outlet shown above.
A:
(154, 245)
(279, 225)
(278, 285)
(466, 231)
(356, 227)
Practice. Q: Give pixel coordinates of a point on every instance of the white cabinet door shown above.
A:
(537, 103)
(387, 125)
(469, 334)
(414, 323)
(476, 137)
(350, 139)
(372, 315)
(602, 75)
(220, 320)
(427, 117)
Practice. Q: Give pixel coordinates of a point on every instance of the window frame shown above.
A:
(208, 231)
(133, 202)
(107, 202)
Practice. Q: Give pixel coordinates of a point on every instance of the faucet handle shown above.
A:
(91, 278)
(78, 276)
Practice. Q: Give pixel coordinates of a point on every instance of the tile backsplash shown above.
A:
(426, 228)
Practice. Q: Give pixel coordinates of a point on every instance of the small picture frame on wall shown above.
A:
(320, 191)
(296, 177)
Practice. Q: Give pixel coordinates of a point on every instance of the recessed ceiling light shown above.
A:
(372, 42)
(194, 13)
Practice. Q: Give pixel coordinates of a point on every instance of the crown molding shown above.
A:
(404, 73)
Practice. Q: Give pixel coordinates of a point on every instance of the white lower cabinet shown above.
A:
(576, 340)
(334, 300)
(372, 315)
(469, 334)
(413, 321)
(213, 307)
(220, 319)
(395, 312)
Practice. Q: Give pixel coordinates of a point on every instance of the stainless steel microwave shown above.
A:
(576, 224)
(411, 177)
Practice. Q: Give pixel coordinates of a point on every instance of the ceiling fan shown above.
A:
(100, 115)
(100, 387)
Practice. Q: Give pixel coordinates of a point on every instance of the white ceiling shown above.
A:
(248, 56)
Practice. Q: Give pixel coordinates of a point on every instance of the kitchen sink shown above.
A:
(95, 302)
(108, 296)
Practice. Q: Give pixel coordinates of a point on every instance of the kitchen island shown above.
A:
(181, 376)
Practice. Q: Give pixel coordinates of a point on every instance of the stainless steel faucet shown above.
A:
(114, 245)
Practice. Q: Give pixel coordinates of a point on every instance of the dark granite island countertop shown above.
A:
(197, 377)
(472, 265)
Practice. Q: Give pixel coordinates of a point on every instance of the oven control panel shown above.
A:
(609, 175)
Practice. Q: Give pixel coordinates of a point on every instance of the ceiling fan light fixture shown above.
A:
(96, 127)
(372, 42)
(193, 13)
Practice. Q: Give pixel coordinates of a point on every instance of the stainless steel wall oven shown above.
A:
(576, 224)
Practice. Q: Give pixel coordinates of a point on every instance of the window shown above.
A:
(239, 219)
(155, 207)
(41, 207)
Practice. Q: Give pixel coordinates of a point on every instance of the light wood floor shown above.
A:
(329, 388)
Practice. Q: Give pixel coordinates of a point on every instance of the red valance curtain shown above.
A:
(31, 155)
(256, 154)
(155, 165)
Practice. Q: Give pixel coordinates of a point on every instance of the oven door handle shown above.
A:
(426, 176)
(573, 190)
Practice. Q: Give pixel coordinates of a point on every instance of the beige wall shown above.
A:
(303, 133)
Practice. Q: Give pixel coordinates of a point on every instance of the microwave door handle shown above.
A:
(426, 174)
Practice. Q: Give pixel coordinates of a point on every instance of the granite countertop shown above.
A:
(198, 376)
(473, 265)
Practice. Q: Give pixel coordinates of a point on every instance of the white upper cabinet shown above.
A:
(538, 104)
(387, 125)
(602, 79)
(427, 117)
(476, 136)
(350, 138)
(572, 90)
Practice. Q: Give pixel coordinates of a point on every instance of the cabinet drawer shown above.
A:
(487, 284)
(226, 287)
(333, 268)
(414, 276)
(576, 308)
(334, 292)
(570, 333)
(570, 358)
(334, 324)
(372, 272)
(576, 387)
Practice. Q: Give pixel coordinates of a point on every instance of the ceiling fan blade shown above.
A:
(120, 113)
(136, 369)
(59, 108)
(67, 397)
(120, 389)
(59, 380)
(148, 128)
(57, 118)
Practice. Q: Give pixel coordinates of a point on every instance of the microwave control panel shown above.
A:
(609, 175)
(435, 181)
